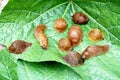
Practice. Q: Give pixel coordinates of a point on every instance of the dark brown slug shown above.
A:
(80, 18)
(19, 46)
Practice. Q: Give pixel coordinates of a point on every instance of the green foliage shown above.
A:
(20, 17)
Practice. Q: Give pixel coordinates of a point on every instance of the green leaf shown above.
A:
(7, 66)
(45, 71)
(21, 70)
(20, 17)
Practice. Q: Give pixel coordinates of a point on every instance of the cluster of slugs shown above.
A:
(75, 36)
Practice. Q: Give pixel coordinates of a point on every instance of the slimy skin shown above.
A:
(73, 58)
(60, 25)
(19, 46)
(41, 37)
(75, 35)
(64, 44)
(96, 35)
(94, 50)
(80, 18)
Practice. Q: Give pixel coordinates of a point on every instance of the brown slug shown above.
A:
(73, 58)
(60, 25)
(64, 44)
(19, 46)
(80, 18)
(75, 35)
(95, 35)
(94, 50)
(41, 37)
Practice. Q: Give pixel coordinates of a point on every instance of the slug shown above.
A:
(80, 18)
(96, 35)
(94, 50)
(60, 25)
(41, 37)
(73, 58)
(19, 46)
(75, 35)
(64, 44)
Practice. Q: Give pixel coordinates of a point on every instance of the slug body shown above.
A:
(60, 25)
(80, 18)
(64, 44)
(94, 50)
(75, 35)
(73, 58)
(19, 46)
(96, 35)
(41, 37)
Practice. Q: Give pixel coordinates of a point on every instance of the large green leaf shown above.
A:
(7, 66)
(21, 70)
(20, 17)
(45, 71)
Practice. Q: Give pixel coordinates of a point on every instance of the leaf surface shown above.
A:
(19, 18)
